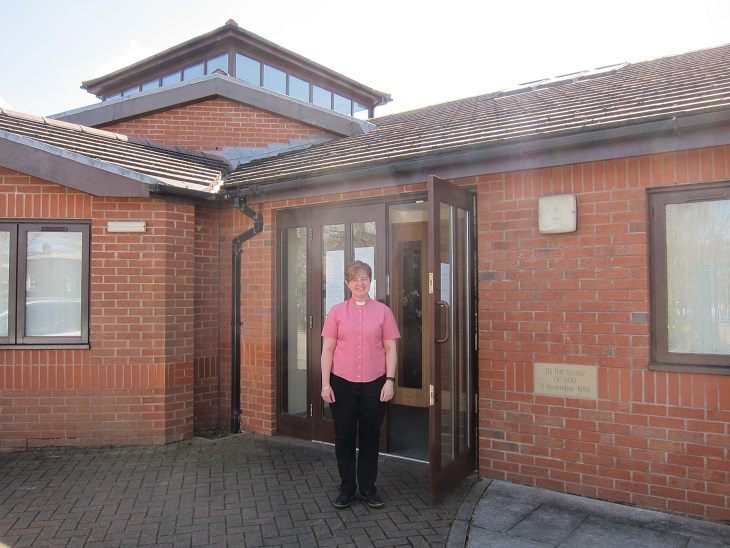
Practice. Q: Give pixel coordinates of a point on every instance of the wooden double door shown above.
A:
(422, 256)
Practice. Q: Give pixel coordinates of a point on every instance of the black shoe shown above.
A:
(343, 500)
(373, 499)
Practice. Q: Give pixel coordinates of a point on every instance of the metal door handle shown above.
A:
(444, 306)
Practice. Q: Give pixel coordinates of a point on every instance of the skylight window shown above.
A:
(561, 79)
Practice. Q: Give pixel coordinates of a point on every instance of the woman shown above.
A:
(358, 378)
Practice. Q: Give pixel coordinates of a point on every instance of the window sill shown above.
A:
(45, 346)
(691, 368)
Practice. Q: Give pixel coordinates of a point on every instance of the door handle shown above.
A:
(445, 309)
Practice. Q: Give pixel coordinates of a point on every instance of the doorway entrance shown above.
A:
(421, 253)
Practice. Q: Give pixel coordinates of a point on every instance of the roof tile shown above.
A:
(659, 89)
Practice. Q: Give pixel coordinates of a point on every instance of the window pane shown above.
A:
(298, 88)
(150, 85)
(220, 62)
(363, 244)
(343, 104)
(248, 69)
(447, 255)
(53, 284)
(193, 72)
(4, 282)
(274, 79)
(321, 97)
(698, 263)
(130, 91)
(333, 285)
(171, 79)
(294, 379)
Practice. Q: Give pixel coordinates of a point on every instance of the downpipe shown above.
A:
(236, 324)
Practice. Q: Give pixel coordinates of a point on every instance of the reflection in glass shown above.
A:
(333, 266)
(698, 277)
(342, 104)
(196, 71)
(274, 79)
(220, 62)
(462, 328)
(248, 69)
(363, 243)
(53, 284)
(294, 345)
(411, 370)
(4, 282)
(298, 88)
(171, 79)
(445, 327)
(321, 97)
(150, 85)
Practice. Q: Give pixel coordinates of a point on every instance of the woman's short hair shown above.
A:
(356, 268)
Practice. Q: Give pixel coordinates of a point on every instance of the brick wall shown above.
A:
(134, 383)
(211, 125)
(208, 321)
(652, 439)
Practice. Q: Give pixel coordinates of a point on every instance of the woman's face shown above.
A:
(359, 286)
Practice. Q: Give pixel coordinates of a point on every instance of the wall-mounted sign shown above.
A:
(571, 381)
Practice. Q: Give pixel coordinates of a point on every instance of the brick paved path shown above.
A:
(244, 490)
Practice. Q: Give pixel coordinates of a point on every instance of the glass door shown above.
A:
(316, 245)
(449, 304)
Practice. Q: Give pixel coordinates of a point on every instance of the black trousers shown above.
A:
(357, 412)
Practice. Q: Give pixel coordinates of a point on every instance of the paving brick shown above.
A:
(247, 490)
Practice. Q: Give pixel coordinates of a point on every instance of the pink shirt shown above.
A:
(360, 331)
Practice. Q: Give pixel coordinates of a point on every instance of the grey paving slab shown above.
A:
(515, 516)
(549, 524)
(596, 530)
(482, 538)
(501, 513)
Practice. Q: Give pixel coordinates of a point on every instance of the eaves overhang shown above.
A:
(73, 170)
(663, 136)
(209, 87)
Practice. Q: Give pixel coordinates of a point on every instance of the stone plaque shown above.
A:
(572, 381)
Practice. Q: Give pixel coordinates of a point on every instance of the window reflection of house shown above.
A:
(53, 292)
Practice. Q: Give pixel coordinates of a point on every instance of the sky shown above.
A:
(421, 55)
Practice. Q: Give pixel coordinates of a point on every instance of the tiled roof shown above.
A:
(170, 164)
(632, 94)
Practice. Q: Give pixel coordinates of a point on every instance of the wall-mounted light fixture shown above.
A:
(126, 226)
(557, 214)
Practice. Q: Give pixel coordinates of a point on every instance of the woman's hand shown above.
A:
(328, 394)
(388, 391)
